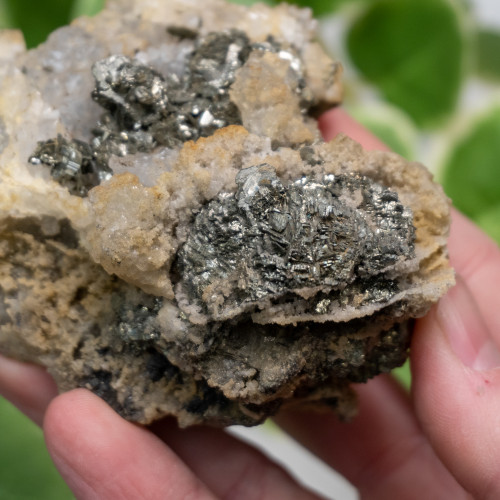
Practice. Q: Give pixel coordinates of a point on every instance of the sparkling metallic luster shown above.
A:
(137, 323)
(71, 163)
(268, 239)
(145, 109)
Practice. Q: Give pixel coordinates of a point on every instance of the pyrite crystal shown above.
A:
(175, 235)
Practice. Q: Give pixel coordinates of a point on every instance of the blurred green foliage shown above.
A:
(471, 172)
(392, 126)
(489, 220)
(488, 54)
(322, 7)
(86, 7)
(26, 471)
(415, 54)
(319, 7)
(37, 19)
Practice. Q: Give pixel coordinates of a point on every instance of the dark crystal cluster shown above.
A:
(72, 164)
(266, 358)
(268, 239)
(145, 109)
(136, 322)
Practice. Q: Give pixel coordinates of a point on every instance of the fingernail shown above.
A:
(460, 318)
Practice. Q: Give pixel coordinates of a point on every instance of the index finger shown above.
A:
(337, 121)
(382, 451)
(476, 258)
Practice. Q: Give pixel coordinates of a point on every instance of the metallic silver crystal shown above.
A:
(336, 233)
(146, 109)
(71, 163)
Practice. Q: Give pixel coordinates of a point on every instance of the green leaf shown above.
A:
(413, 50)
(38, 19)
(251, 2)
(323, 7)
(26, 470)
(489, 221)
(86, 7)
(5, 20)
(488, 54)
(472, 170)
(403, 374)
(390, 125)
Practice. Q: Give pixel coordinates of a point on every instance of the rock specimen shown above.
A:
(175, 235)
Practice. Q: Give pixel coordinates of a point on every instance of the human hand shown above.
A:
(406, 447)
(396, 448)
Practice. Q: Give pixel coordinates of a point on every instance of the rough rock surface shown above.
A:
(175, 236)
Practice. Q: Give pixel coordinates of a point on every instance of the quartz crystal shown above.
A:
(175, 235)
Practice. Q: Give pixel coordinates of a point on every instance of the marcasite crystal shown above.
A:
(72, 164)
(181, 241)
(146, 109)
(267, 240)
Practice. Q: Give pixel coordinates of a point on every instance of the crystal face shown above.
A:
(268, 239)
(147, 109)
(72, 164)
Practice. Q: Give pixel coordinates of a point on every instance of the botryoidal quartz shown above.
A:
(175, 235)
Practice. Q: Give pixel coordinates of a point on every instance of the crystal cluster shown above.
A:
(72, 163)
(267, 240)
(146, 109)
(176, 237)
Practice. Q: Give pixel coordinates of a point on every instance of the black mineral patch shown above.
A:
(268, 239)
(72, 164)
(99, 382)
(43, 229)
(158, 366)
(206, 398)
(145, 109)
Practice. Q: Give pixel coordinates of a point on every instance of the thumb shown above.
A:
(456, 389)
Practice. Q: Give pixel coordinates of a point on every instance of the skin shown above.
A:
(441, 441)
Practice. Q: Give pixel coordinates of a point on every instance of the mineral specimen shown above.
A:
(175, 235)
(72, 164)
(320, 235)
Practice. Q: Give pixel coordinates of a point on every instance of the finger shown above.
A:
(230, 468)
(30, 388)
(476, 258)
(456, 385)
(102, 456)
(337, 121)
(382, 451)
